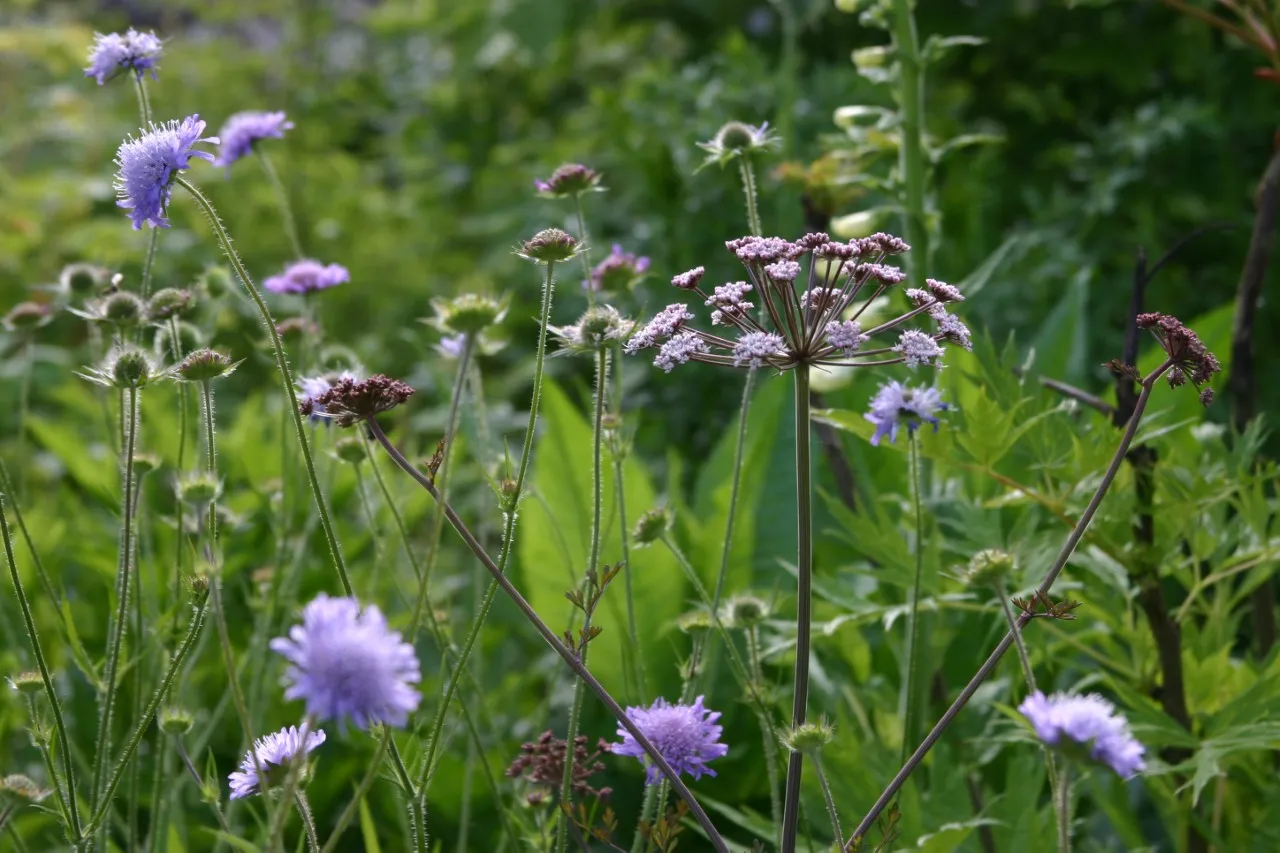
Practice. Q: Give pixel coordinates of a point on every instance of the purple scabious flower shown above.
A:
(686, 735)
(1091, 722)
(618, 271)
(345, 663)
(274, 752)
(113, 54)
(147, 166)
(895, 404)
(307, 276)
(242, 130)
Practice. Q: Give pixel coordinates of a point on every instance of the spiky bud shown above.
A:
(176, 721)
(27, 682)
(550, 246)
(199, 489)
(809, 738)
(469, 313)
(123, 309)
(169, 302)
(204, 366)
(82, 280)
(744, 611)
(570, 181)
(652, 526)
(989, 568)
(215, 281)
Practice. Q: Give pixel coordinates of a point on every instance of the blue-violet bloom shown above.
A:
(686, 736)
(242, 130)
(896, 404)
(618, 271)
(113, 54)
(307, 276)
(1091, 722)
(347, 664)
(147, 166)
(274, 753)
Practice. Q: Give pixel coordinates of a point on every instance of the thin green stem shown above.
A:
(188, 642)
(175, 347)
(910, 695)
(769, 736)
(148, 262)
(804, 581)
(46, 677)
(286, 377)
(46, 583)
(911, 154)
(617, 451)
(46, 757)
(24, 401)
(144, 102)
(102, 750)
(832, 813)
(585, 250)
(308, 821)
(549, 636)
(161, 791)
(1023, 657)
(647, 806)
(282, 199)
(1063, 810)
(349, 813)
(748, 173)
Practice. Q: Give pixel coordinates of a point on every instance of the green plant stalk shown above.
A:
(46, 758)
(286, 377)
(188, 642)
(618, 454)
(593, 561)
(175, 345)
(647, 806)
(349, 813)
(282, 199)
(308, 821)
(910, 695)
(102, 750)
(144, 102)
(804, 582)
(1046, 585)
(162, 789)
(748, 173)
(55, 598)
(549, 636)
(584, 249)
(832, 813)
(508, 532)
(24, 402)
(59, 725)
(912, 160)
(770, 738)
(144, 111)
(1063, 809)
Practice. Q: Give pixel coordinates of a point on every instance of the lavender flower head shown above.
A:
(618, 271)
(896, 404)
(686, 735)
(274, 753)
(113, 54)
(345, 663)
(307, 276)
(1091, 722)
(242, 130)
(147, 166)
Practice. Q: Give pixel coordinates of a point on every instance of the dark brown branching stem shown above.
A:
(1045, 587)
(566, 654)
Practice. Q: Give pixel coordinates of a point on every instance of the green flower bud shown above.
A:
(469, 313)
(743, 611)
(123, 309)
(694, 621)
(350, 449)
(169, 302)
(83, 280)
(652, 526)
(809, 738)
(176, 721)
(131, 369)
(199, 489)
(990, 568)
(27, 682)
(215, 281)
(205, 365)
(144, 464)
(551, 246)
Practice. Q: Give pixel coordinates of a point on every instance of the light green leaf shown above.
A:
(368, 830)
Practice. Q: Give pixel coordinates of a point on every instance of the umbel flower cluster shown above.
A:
(783, 314)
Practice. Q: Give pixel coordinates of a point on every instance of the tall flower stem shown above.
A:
(68, 781)
(549, 636)
(1063, 808)
(509, 526)
(144, 102)
(769, 736)
(832, 813)
(1068, 548)
(102, 749)
(911, 155)
(282, 199)
(286, 377)
(747, 171)
(593, 561)
(308, 820)
(617, 450)
(804, 581)
(585, 252)
(144, 112)
(910, 695)
(175, 347)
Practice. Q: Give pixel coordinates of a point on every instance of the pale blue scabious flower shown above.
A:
(147, 166)
(896, 404)
(307, 276)
(686, 736)
(451, 346)
(113, 54)
(346, 663)
(242, 130)
(1091, 722)
(618, 271)
(274, 752)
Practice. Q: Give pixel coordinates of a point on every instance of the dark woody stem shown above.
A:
(1045, 587)
(567, 655)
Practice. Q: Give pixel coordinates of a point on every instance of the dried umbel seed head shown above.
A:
(541, 764)
(809, 738)
(570, 181)
(990, 568)
(652, 526)
(349, 401)
(744, 611)
(1191, 360)
(82, 280)
(169, 302)
(199, 489)
(26, 682)
(26, 316)
(22, 788)
(205, 365)
(350, 450)
(176, 721)
(551, 246)
(123, 309)
(215, 281)
(468, 313)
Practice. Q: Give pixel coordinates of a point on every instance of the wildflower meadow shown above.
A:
(577, 426)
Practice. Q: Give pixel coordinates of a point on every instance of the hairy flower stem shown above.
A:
(804, 581)
(647, 806)
(7, 488)
(102, 749)
(175, 347)
(67, 785)
(617, 451)
(912, 161)
(748, 173)
(144, 102)
(161, 791)
(286, 377)
(593, 560)
(308, 820)
(349, 813)
(1063, 808)
(832, 813)
(549, 636)
(508, 532)
(148, 713)
(769, 735)
(1068, 548)
(282, 199)
(585, 250)
(910, 695)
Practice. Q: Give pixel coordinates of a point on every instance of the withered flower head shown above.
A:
(1191, 360)
(349, 401)
(541, 764)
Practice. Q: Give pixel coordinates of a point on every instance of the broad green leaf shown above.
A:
(92, 467)
(235, 841)
(1061, 343)
(368, 830)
